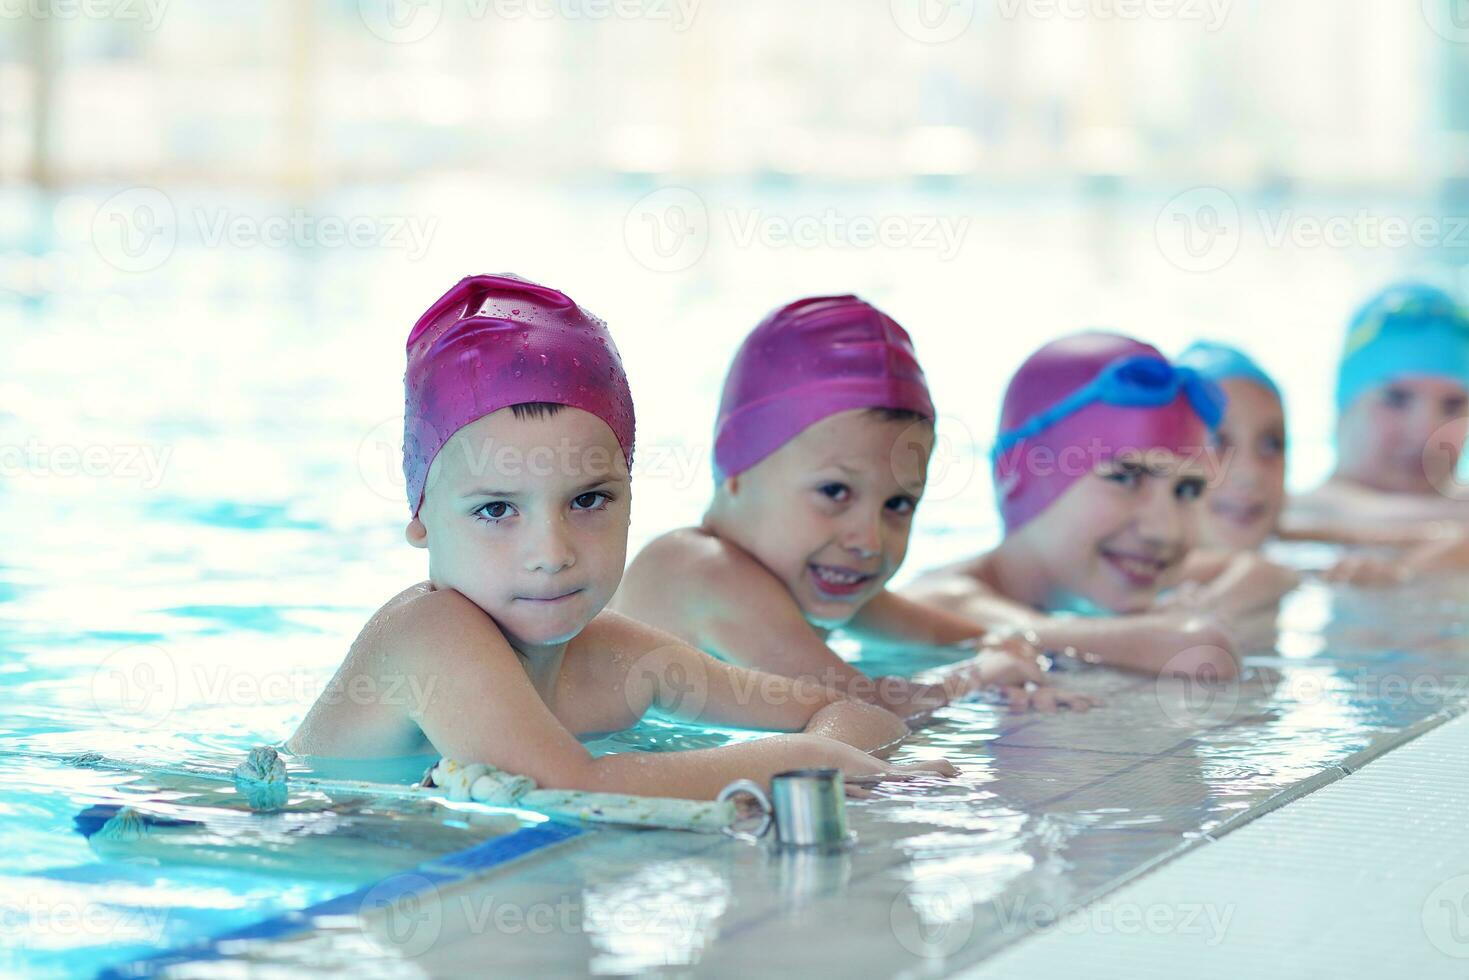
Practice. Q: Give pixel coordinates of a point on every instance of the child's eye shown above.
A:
(1397, 397)
(494, 511)
(901, 504)
(1272, 445)
(593, 500)
(838, 492)
(1189, 489)
(1454, 407)
(1127, 476)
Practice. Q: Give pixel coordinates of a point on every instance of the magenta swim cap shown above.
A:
(1069, 409)
(496, 341)
(806, 361)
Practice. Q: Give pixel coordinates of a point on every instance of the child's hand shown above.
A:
(1048, 700)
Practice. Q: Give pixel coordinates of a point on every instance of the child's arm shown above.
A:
(1447, 551)
(1233, 583)
(1149, 643)
(1007, 661)
(481, 706)
(666, 673)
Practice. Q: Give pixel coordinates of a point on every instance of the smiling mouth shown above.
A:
(548, 599)
(837, 582)
(1141, 571)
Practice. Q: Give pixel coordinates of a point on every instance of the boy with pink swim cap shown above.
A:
(1098, 470)
(820, 453)
(518, 444)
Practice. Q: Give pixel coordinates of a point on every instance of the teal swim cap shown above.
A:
(1221, 362)
(1408, 328)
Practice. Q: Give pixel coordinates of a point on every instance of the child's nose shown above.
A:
(550, 549)
(1160, 522)
(862, 535)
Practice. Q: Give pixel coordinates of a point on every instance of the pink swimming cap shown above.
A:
(1035, 470)
(496, 341)
(806, 361)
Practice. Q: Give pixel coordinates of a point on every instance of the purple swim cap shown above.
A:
(808, 360)
(1041, 453)
(496, 341)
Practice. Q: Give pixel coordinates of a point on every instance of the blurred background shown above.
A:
(218, 221)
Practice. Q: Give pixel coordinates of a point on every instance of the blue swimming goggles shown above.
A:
(1132, 382)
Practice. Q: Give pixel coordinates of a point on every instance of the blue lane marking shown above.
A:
(455, 867)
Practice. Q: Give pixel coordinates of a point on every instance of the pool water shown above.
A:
(200, 507)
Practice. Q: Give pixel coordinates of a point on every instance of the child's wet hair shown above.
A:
(535, 410)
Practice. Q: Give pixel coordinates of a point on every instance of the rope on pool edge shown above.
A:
(264, 781)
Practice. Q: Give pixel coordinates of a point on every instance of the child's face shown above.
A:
(830, 511)
(1118, 536)
(528, 518)
(1247, 470)
(1391, 437)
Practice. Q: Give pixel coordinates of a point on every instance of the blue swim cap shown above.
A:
(1221, 362)
(1408, 328)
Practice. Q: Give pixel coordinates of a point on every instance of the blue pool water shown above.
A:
(200, 507)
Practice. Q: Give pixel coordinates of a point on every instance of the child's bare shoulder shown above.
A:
(702, 565)
(422, 611)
